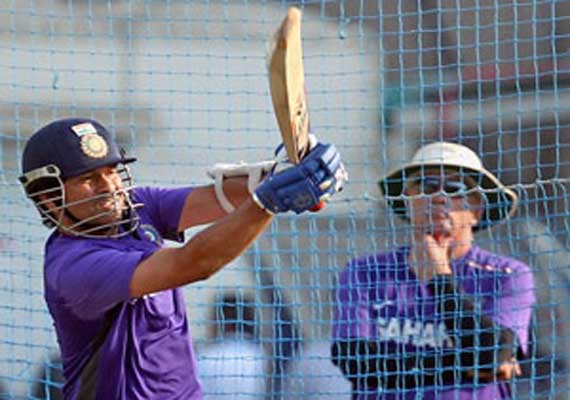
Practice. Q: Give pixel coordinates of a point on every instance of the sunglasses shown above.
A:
(429, 185)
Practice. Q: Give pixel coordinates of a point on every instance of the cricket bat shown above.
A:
(287, 85)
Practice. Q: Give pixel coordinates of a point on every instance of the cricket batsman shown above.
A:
(112, 289)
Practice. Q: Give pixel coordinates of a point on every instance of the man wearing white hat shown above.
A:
(440, 318)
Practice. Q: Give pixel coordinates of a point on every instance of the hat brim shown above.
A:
(501, 202)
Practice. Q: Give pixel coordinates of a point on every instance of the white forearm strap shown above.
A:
(254, 173)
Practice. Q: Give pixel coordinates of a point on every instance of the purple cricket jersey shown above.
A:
(380, 298)
(112, 346)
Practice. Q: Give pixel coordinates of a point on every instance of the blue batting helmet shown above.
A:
(66, 148)
(74, 145)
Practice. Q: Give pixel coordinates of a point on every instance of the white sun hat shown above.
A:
(501, 202)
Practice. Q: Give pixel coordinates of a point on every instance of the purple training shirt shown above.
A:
(114, 347)
(380, 298)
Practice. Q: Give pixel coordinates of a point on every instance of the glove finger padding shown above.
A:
(301, 187)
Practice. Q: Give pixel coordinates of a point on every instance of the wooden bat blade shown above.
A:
(287, 85)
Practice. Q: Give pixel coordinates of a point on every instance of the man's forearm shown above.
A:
(484, 343)
(223, 241)
(236, 190)
(481, 346)
(368, 363)
(204, 255)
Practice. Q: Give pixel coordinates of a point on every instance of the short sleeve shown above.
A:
(516, 301)
(351, 314)
(163, 206)
(94, 281)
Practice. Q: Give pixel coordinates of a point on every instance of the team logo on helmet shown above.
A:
(84, 129)
(93, 145)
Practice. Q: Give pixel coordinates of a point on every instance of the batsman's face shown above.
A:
(94, 194)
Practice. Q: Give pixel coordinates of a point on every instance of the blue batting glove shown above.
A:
(301, 187)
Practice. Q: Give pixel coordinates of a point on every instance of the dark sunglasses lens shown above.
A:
(429, 185)
(454, 187)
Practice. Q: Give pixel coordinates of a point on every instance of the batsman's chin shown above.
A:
(108, 215)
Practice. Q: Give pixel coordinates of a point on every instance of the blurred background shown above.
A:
(183, 84)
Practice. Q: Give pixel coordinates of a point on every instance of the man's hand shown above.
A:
(433, 255)
(300, 187)
(504, 372)
(508, 370)
(438, 252)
